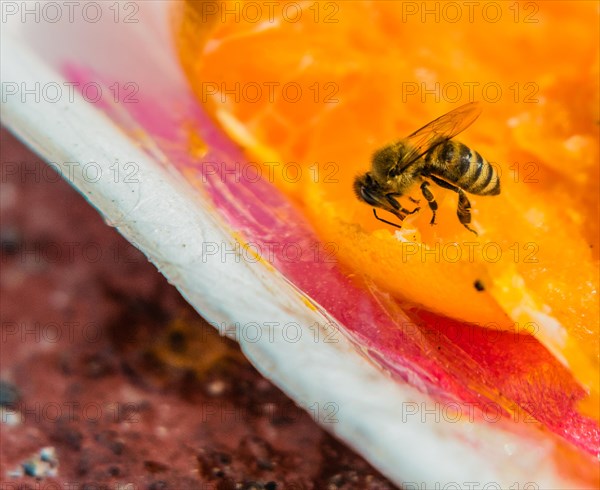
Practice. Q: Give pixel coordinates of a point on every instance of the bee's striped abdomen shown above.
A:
(463, 167)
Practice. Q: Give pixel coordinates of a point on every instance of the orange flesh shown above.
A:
(537, 249)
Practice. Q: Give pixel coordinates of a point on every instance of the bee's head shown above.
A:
(369, 190)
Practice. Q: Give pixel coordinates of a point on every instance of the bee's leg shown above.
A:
(430, 200)
(406, 211)
(464, 210)
(464, 206)
(386, 221)
(412, 199)
(396, 205)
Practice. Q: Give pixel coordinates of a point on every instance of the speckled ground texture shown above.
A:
(102, 360)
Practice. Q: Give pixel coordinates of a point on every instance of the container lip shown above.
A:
(162, 213)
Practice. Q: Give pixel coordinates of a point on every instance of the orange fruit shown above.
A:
(325, 90)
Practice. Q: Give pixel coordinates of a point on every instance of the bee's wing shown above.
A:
(441, 129)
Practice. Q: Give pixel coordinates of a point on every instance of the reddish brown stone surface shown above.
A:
(115, 371)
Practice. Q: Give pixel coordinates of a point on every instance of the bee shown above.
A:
(429, 154)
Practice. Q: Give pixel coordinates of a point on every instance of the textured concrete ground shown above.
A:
(102, 360)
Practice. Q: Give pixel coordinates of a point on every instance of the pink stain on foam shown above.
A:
(465, 366)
